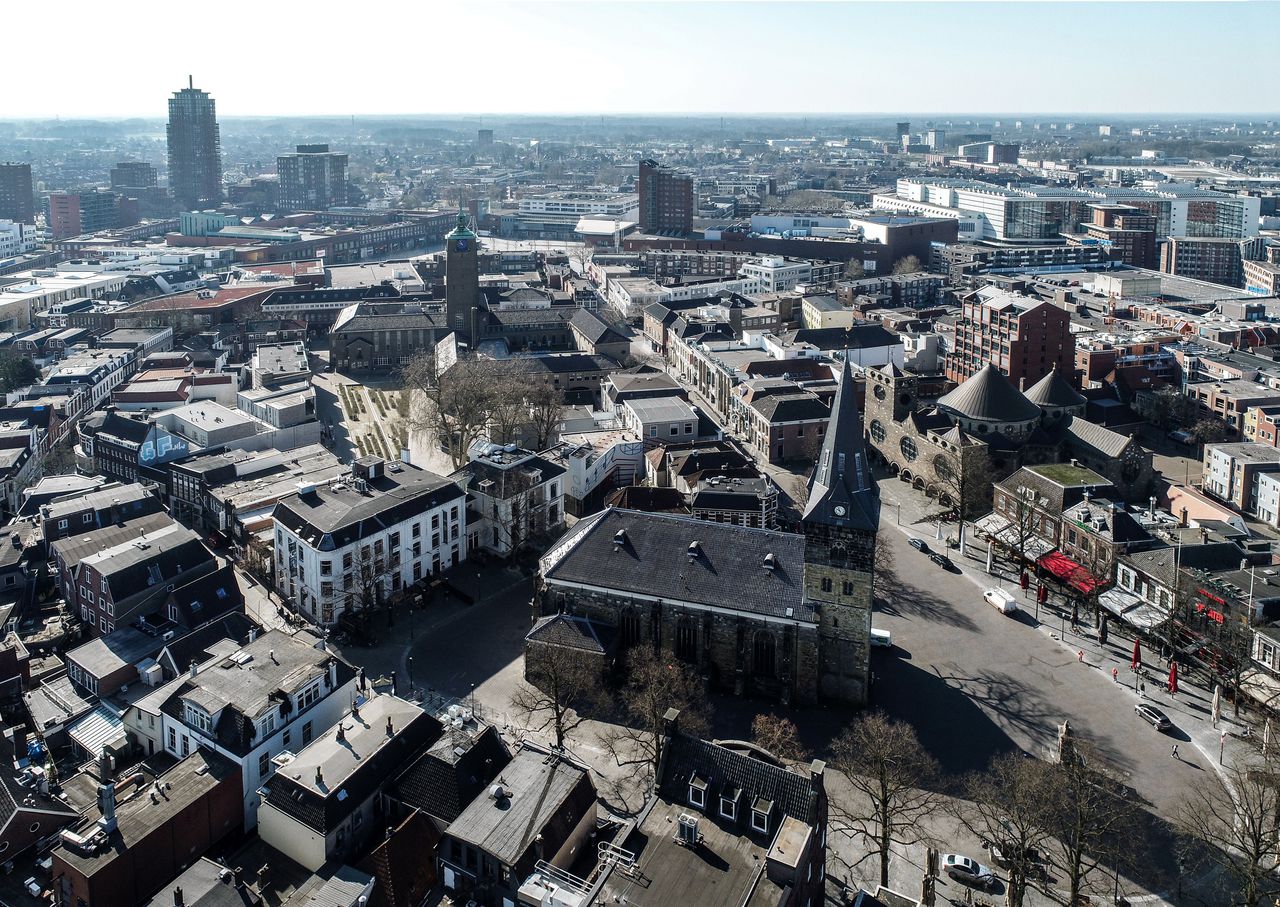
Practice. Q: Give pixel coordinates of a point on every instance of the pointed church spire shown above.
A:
(841, 490)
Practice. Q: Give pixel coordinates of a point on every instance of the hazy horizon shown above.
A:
(748, 60)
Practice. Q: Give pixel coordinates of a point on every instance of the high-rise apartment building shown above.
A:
(666, 199)
(1128, 233)
(77, 213)
(1215, 259)
(1025, 338)
(195, 154)
(17, 201)
(312, 178)
(133, 175)
(484, 138)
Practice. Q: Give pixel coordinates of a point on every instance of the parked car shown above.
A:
(1183, 437)
(942, 561)
(1002, 601)
(1005, 853)
(1153, 716)
(968, 871)
(882, 638)
(919, 544)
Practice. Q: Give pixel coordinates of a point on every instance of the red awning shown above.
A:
(1069, 572)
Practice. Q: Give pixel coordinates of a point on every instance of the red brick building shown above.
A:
(1023, 337)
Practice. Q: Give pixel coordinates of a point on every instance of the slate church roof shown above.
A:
(842, 491)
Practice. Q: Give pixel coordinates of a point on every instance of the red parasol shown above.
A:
(1024, 581)
(1043, 594)
(1173, 678)
(1137, 655)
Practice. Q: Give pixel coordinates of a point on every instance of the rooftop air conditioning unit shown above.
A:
(687, 830)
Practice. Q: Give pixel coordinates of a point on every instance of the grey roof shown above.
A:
(653, 560)
(134, 500)
(864, 335)
(572, 632)
(1054, 390)
(352, 768)
(661, 409)
(842, 491)
(1094, 437)
(150, 560)
(86, 544)
(987, 395)
(329, 519)
(104, 654)
(802, 406)
(595, 328)
(537, 785)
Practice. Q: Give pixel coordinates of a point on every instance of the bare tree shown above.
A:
(454, 405)
(1236, 825)
(546, 411)
(1209, 431)
(854, 269)
(655, 686)
(893, 777)
(778, 735)
(1007, 805)
(966, 474)
(1092, 820)
(909, 265)
(1166, 407)
(507, 412)
(560, 684)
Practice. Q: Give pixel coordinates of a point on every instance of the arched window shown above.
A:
(764, 654)
(686, 639)
(630, 627)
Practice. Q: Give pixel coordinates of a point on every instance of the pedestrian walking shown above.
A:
(1142, 690)
(1081, 654)
(1115, 674)
(1174, 754)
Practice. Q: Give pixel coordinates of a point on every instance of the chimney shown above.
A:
(237, 874)
(1151, 507)
(271, 653)
(391, 731)
(319, 777)
(333, 674)
(671, 721)
(177, 897)
(107, 805)
(817, 773)
(191, 669)
(342, 735)
(253, 633)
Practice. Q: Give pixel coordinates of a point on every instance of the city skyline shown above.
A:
(948, 59)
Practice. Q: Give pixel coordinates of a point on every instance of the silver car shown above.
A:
(967, 871)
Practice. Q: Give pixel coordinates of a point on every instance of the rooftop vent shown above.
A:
(619, 539)
(695, 549)
(770, 562)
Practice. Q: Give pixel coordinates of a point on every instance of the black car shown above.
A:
(919, 544)
(942, 561)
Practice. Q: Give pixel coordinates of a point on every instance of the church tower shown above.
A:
(462, 279)
(841, 519)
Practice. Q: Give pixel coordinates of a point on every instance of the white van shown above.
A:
(881, 638)
(1002, 601)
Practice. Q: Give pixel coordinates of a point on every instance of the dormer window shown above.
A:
(697, 792)
(760, 811)
(198, 718)
(729, 802)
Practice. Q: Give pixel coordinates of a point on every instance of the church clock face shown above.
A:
(461, 245)
(839, 510)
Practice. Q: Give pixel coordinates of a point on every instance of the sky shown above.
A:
(282, 57)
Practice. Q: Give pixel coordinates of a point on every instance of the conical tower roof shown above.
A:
(1054, 390)
(841, 490)
(989, 397)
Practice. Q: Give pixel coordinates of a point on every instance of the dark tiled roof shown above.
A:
(208, 597)
(861, 336)
(653, 560)
(1095, 438)
(988, 395)
(571, 632)
(648, 498)
(804, 406)
(594, 328)
(194, 646)
(1054, 390)
(790, 793)
(842, 491)
(452, 773)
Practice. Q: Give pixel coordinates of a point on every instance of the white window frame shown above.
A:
(759, 821)
(697, 798)
(732, 812)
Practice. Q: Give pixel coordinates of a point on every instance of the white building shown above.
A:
(570, 206)
(34, 291)
(518, 495)
(352, 543)
(98, 371)
(251, 704)
(16, 239)
(775, 275)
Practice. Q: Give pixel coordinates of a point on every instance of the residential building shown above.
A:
(1217, 259)
(17, 200)
(127, 849)
(1232, 472)
(16, 238)
(518, 498)
(116, 585)
(1262, 278)
(1024, 337)
(666, 199)
(766, 824)
(1230, 401)
(108, 505)
(1126, 232)
(352, 544)
(324, 802)
(549, 797)
(457, 769)
(101, 666)
(31, 814)
(313, 178)
(77, 213)
(248, 705)
(195, 152)
(134, 175)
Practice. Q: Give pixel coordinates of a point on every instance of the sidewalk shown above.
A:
(1190, 710)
